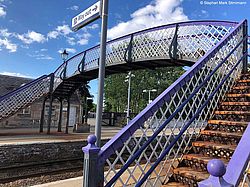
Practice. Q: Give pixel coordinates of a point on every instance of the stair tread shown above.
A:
(244, 81)
(214, 145)
(226, 122)
(241, 103)
(174, 184)
(240, 87)
(201, 157)
(222, 133)
(228, 112)
(191, 173)
(239, 95)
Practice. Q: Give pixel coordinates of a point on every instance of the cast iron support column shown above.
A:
(245, 34)
(42, 115)
(60, 116)
(50, 101)
(68, 112)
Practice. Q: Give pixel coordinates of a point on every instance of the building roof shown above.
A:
(10, 83)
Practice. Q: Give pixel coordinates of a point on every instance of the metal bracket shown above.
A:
(173, 46)
(81, 64)
(129, 50)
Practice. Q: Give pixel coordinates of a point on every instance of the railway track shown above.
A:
(24, 171)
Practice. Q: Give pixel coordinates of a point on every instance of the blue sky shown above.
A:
(33, 32)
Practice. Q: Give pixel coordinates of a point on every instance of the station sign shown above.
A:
(87, 16)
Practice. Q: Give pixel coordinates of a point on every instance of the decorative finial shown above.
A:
(216, 168)
(91, 139)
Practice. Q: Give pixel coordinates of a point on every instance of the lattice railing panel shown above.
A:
(11, 103)
(198, 90)
(194, 39)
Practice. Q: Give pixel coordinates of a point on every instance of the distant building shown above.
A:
(29, 117)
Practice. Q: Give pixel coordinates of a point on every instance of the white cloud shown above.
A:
(83, 41)
(69, 50)
(31, 37)
(94, 26)
(53, 34)
(157, 13)
(71, 40)
(43, 49)
(15, 74)
(2, 12)
(74, 7)
(45, 57)
(204, 13)
(64, 29)
(40, 56)
(8, 45)
(5, 33)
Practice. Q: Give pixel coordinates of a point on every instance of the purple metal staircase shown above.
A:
(145, 151)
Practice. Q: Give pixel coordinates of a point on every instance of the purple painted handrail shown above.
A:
(122, 136)
(23, 87)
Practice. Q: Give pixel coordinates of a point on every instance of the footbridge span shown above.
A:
(180, 130)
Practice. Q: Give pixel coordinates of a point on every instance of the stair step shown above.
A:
(221, 112)
(239, 95)
(174, 184)
(200, 158)
(244, 81)
(225, 122)
(235, 103)
(214, 149)
(221, 133)
(221, 136)
(213, 145)
(191, 173)
(240, 87)
(197, 161)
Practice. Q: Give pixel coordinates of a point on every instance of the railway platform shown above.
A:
(30, 136)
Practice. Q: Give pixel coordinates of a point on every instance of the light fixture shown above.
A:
(64, 55)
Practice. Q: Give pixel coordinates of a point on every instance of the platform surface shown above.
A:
(27, 136)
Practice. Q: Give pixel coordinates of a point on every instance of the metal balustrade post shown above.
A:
(245, 50)
(52, 76)
(93, 171)
(60, 116)
(42, 115)
(83, 62)
(68, 113)
(130, 47)
(174, 44)
(216, 169)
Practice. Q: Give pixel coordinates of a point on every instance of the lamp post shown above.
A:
(128, 79)
(64, 56)
(149, 91)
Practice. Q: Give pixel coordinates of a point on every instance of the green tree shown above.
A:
(116, 88)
